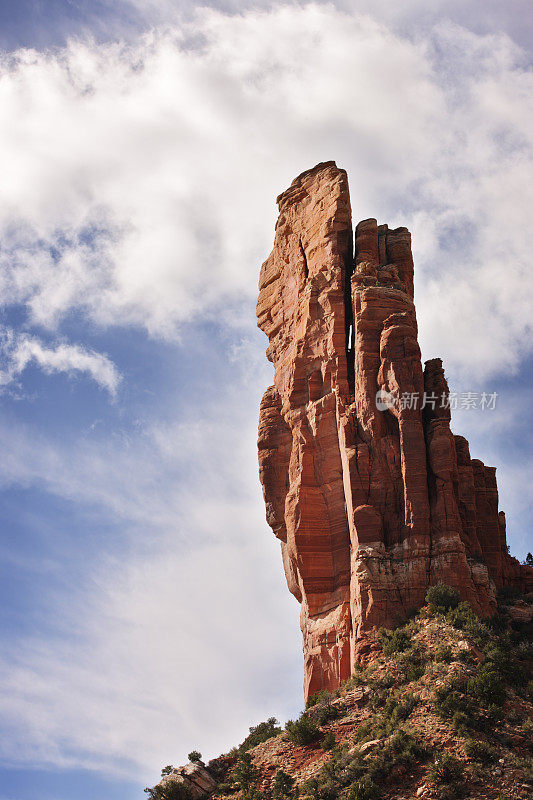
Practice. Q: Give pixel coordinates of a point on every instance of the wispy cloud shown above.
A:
(180, 638)
(18, 351)
(152, 199)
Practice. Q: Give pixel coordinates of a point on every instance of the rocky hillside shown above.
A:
(440, 708)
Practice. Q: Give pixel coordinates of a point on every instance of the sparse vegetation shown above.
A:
(479, 751)
(441, 598)
(395, 641)
(447, 773)
(302, 731)
(245, 773)
(170, 790)
(468, 683)
(260, 733)
(194, 756)
(364, 789)
(283, 786)
(328, 742)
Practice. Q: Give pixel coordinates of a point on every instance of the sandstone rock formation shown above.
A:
(195, 777)
(372, 502)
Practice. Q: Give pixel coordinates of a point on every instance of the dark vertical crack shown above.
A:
(348, 314)
(306, 268)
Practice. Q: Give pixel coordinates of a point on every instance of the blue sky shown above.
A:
(142, 145)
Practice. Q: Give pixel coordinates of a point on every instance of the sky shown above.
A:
(143, 609)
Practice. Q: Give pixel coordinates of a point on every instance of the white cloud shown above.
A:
(182, 637)
(138, 186)
(19, 351)
(138, 180)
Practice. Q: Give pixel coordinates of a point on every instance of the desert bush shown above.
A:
(328, 742)
(170, 790)
(245, 773)
(326, 712)
(397, 641)
(194, 756)
(302, 731)
(283, 785)
(395, 712)
(364, 789)
(260, 733)
(323, 696)
(443, 654)
(411, 665)
(364, 731)
(440, 598)
(446, 770)
(479, 751)
(466, 657)
(487, 687)
(464, 618)
(450, 699)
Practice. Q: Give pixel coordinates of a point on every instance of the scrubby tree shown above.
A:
(245, 773)
(283, 785)
(441, 598)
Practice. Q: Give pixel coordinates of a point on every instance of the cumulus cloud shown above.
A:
(18, 351)
(139, 179)
(137, 190)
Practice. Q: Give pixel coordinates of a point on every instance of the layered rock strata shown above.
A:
(370, 494)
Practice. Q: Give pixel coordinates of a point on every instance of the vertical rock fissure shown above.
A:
(348, 320)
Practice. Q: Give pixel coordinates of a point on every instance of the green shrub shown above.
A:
(487, 687)
(260, 733)
(167, 770)
(397, 641)
(450, 698)
(170, 790)
(302, 731)
(395, 712)
(364, 731)
(283, 785)
(462, 722)
(194, 756)
(364, 789)
(479, 751)
(465, 619)
(323, 696)
(245, 773)
(466, 657)
(328, 742)
(443, 654)
(411, 665)
(446, 770)
(441, 598)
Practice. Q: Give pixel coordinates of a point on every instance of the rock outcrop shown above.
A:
(198, 781)
(370, 494)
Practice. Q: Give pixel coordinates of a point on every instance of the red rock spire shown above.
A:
(371, 504)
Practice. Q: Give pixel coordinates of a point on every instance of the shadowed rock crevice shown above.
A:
(372, 502)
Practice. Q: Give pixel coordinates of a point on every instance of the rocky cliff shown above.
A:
(370, 494)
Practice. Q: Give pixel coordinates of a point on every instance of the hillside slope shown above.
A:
(441, 708)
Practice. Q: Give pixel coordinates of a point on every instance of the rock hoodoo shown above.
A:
(371, 495)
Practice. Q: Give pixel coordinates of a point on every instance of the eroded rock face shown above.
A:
(372, 502)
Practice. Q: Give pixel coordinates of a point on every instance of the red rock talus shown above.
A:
(372, 502)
